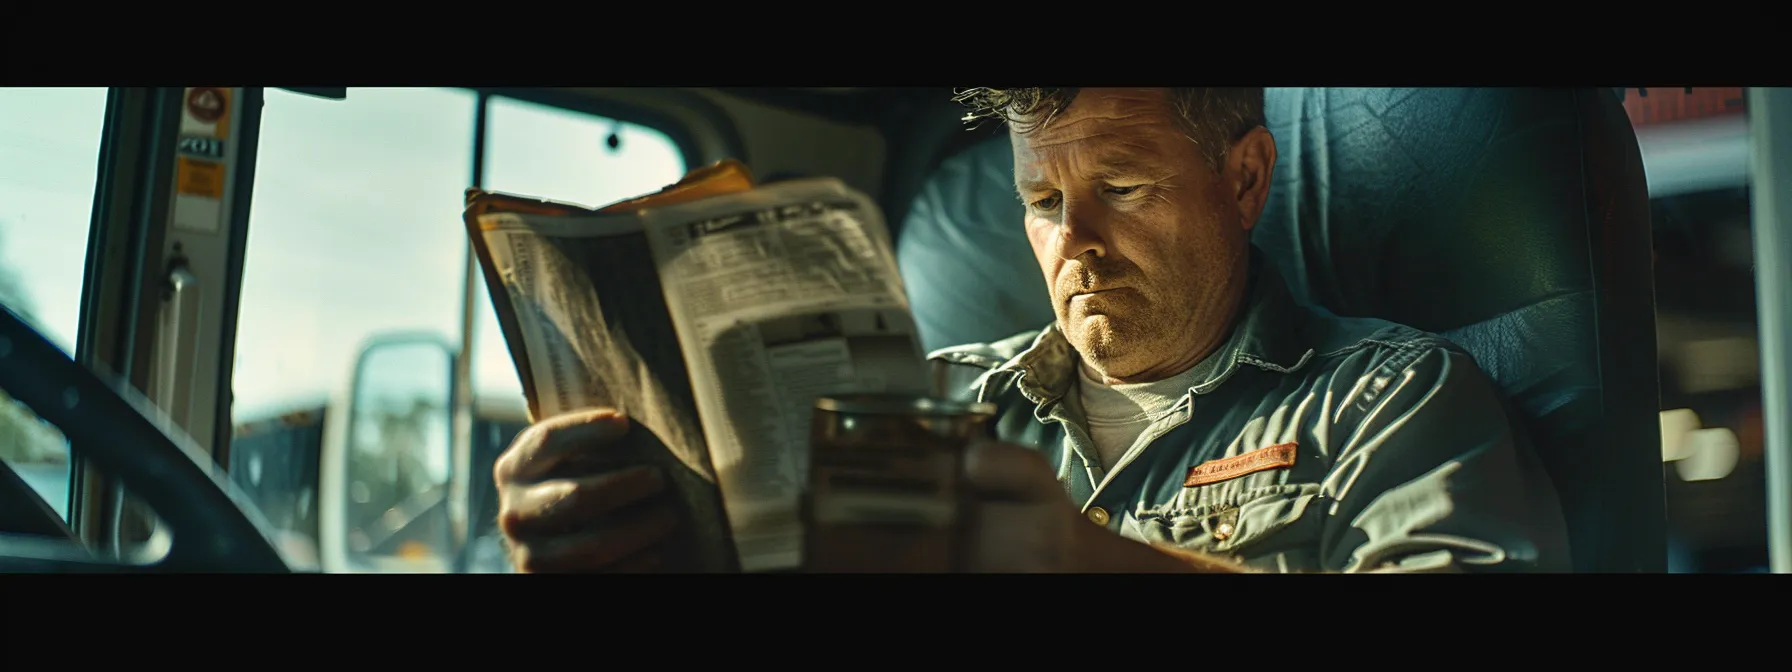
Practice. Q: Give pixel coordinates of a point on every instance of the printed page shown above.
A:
(582, 295)
(780, 295)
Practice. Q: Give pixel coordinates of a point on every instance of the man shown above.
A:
(1197, 418)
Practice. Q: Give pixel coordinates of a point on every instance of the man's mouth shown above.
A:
(1092, 293)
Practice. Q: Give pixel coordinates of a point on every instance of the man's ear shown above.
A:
(1250, 165)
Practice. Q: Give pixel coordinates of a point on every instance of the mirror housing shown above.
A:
(388, 466)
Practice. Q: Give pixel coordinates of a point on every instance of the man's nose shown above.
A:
(1084, 230)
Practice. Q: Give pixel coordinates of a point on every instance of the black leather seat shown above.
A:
(1513, 221)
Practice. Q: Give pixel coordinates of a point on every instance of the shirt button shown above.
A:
(1223, 531)
(1099, 516)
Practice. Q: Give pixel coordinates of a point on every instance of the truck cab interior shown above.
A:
(220, 300)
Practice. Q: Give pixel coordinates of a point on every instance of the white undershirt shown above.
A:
(1116, 415)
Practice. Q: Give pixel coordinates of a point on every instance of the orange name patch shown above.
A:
(1280, 456)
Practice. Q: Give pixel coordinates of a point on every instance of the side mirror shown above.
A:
(387, 499)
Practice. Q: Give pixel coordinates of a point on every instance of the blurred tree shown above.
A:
(12, 289)
(23, 437)
(26, 439)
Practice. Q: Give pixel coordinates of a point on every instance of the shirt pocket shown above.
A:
(1247, 523)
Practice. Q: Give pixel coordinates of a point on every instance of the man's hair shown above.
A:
(1213, 118)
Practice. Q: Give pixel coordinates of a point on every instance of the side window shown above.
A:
(49, 156)
(352, 235)
(1695, 147)
(355, 235)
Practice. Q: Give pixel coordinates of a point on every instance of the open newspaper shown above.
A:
(712, 313)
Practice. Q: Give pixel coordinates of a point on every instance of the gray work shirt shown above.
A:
(1312, 443)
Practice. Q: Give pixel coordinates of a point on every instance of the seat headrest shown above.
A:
(964, 254)
(1436, 208)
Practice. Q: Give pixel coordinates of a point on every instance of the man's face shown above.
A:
(1144, 247)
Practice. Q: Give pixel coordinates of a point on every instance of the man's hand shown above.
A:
(1025, 523)
(561, 511)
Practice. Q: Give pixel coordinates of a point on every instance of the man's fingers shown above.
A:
(562, 504)
(600, 549)
(1004, 471)
(548, 443)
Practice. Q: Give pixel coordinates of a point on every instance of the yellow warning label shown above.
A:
(204, 179)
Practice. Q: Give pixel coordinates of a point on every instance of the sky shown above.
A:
(355, 226)
(49, 151)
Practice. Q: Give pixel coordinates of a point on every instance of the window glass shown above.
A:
(354, 233)
(49, 159)
(1695, 147)
(355, 237)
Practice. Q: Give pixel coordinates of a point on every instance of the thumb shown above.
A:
(1004, 471)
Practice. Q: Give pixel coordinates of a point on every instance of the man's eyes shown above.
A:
(1051, 202)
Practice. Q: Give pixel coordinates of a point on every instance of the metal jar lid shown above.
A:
(900, 404)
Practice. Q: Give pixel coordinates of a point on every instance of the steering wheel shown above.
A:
(213, 526)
